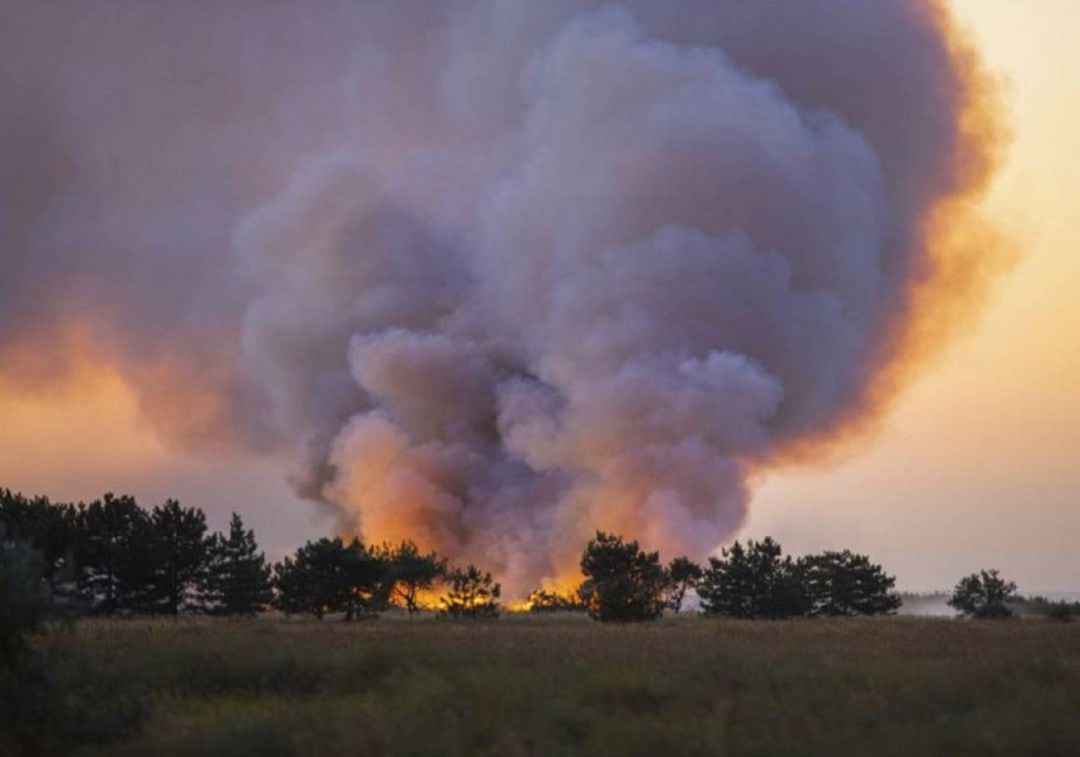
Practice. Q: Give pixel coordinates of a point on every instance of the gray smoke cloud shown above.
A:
(495, 273)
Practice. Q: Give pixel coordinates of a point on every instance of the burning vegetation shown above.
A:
(112, 557)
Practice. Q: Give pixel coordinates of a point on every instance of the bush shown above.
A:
(51, 528)
(983, 595)
(31, 706)
(24, 596)
(471, 594)
(540, 601)
(1060, 611)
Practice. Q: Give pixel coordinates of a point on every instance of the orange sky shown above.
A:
(82, 436)
(975, 466)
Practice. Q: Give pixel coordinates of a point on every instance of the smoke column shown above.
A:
(496, 273)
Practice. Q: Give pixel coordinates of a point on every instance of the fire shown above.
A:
(553, 594)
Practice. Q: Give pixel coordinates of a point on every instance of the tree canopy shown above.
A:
(983, 595)
(844, 583)
(754, 581)
(471, 593)
(113, 556)
(683, 574)
(117, 558)
(409, 572)
(178, 555)
(237, 579)
(623, 583)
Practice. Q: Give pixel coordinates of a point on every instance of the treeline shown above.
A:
(334, 576)
(756, 581)
(112, 556)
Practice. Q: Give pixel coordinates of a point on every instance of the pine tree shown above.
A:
(316, 580)
(844, 583)
(367, 588)
(409, 572)
(116, 571)
(683, 574)
(51, 528)
(623, 583)
(237, 580)
(180, 555)
(752, 582)
(471, 593)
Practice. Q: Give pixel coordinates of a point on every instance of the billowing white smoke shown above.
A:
(542, 268)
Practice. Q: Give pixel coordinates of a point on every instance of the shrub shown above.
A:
(24, 680)
(471, 593)
(1059, 611)
(51, 528)
(983, 595)
(24, 595)
(540, 601)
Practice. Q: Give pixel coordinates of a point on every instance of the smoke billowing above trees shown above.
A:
(496, 274)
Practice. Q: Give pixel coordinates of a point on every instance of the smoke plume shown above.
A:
(495, 273)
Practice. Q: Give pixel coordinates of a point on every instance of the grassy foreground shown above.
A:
(564, 685)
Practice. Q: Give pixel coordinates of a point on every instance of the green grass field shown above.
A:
(565, 685)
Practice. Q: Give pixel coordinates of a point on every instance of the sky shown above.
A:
(974, 466)
(979, 463)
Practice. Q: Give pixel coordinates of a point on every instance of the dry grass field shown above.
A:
(563, 685)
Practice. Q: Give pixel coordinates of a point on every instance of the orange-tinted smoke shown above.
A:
(962, 253)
